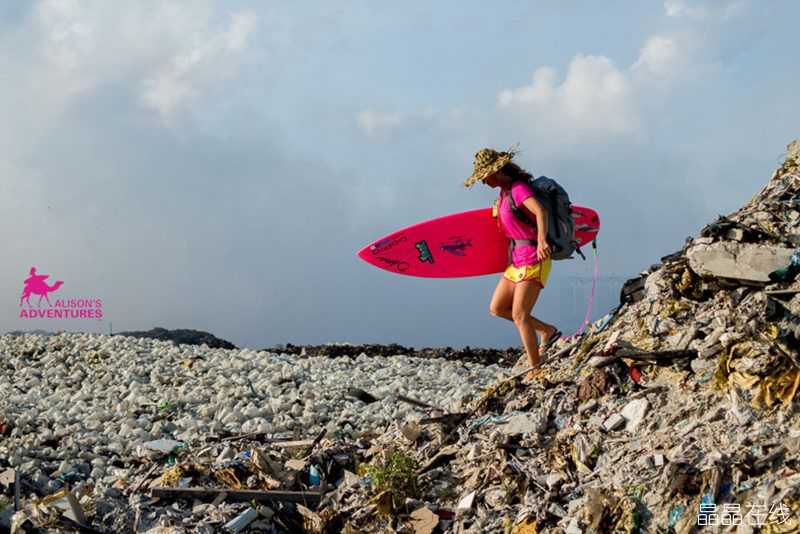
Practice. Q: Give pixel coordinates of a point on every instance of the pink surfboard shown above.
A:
(462, 244)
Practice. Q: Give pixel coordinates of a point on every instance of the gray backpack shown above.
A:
(561, 223)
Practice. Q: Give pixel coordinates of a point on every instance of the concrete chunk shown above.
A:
(735, 234)
(613, 422)
(527, 423)
(587, 406)
(742, 261)
(634, 412)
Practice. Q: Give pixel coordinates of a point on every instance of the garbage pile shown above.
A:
(214, 484)
(674, 413)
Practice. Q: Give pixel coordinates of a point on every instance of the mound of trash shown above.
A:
(182, 336)
(674, 412)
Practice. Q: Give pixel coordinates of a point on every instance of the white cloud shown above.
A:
(374, 123)
(200, 63)
(540, 91)
(377, 124)
(660, 55)
(594, 95)
(721, 10)
(69, 49)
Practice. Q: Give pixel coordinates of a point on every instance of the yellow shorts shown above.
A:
(538, 273)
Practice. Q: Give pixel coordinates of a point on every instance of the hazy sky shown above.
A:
(217, 164)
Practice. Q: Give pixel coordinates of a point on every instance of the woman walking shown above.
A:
(529, 262)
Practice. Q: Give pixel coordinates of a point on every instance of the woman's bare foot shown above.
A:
(533, 373)
(551, 332)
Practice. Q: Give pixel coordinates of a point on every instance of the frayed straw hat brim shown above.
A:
(488, 162)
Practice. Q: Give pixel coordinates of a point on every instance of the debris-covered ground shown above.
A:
(675, 411)
(482, 356)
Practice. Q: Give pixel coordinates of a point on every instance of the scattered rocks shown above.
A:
(95, 411)
(467, 355)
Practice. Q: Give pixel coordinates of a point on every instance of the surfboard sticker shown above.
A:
(457, 246)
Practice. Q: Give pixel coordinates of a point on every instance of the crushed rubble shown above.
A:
(91, 414)
(482, 356)
(676, 410)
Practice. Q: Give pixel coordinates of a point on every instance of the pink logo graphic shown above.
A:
(36, 285)
(68, 308)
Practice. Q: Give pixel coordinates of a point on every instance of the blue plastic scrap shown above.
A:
(610, 315)
(675, 513)
(704, 378)
(489, 419)
(561, 421)
(726, 488)
(313, 476)
(790, 271)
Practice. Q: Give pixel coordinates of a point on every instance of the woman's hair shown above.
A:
(515, 172)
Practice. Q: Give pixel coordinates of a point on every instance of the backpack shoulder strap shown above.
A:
(516, 210)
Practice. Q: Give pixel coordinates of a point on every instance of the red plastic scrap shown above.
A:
(445, 514)
(635, 374)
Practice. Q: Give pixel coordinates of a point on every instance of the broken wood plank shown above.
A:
(144, 478)
(284, 443)
(781, 291)
(293, 444)
(636, 354)
(309, 497)
(314, 443)
(257, 436)
(418, 403)
(17, 505)
(561, 352)
(360, 394)
(449, 418)
(659, 356)
(219, 499)
(251, 435)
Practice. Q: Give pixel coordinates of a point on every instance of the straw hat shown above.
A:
(488, 162)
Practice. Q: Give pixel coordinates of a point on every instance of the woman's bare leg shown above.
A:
(501, 306)
(544, 330)
(502, 299)
(525, 295)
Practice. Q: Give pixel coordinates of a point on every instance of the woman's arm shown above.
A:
(534, 207)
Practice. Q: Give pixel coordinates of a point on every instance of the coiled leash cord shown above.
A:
(591, 299)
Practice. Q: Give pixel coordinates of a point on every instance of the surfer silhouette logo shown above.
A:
(456, 246)
(35, 285)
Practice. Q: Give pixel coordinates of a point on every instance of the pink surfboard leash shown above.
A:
(591, 299)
